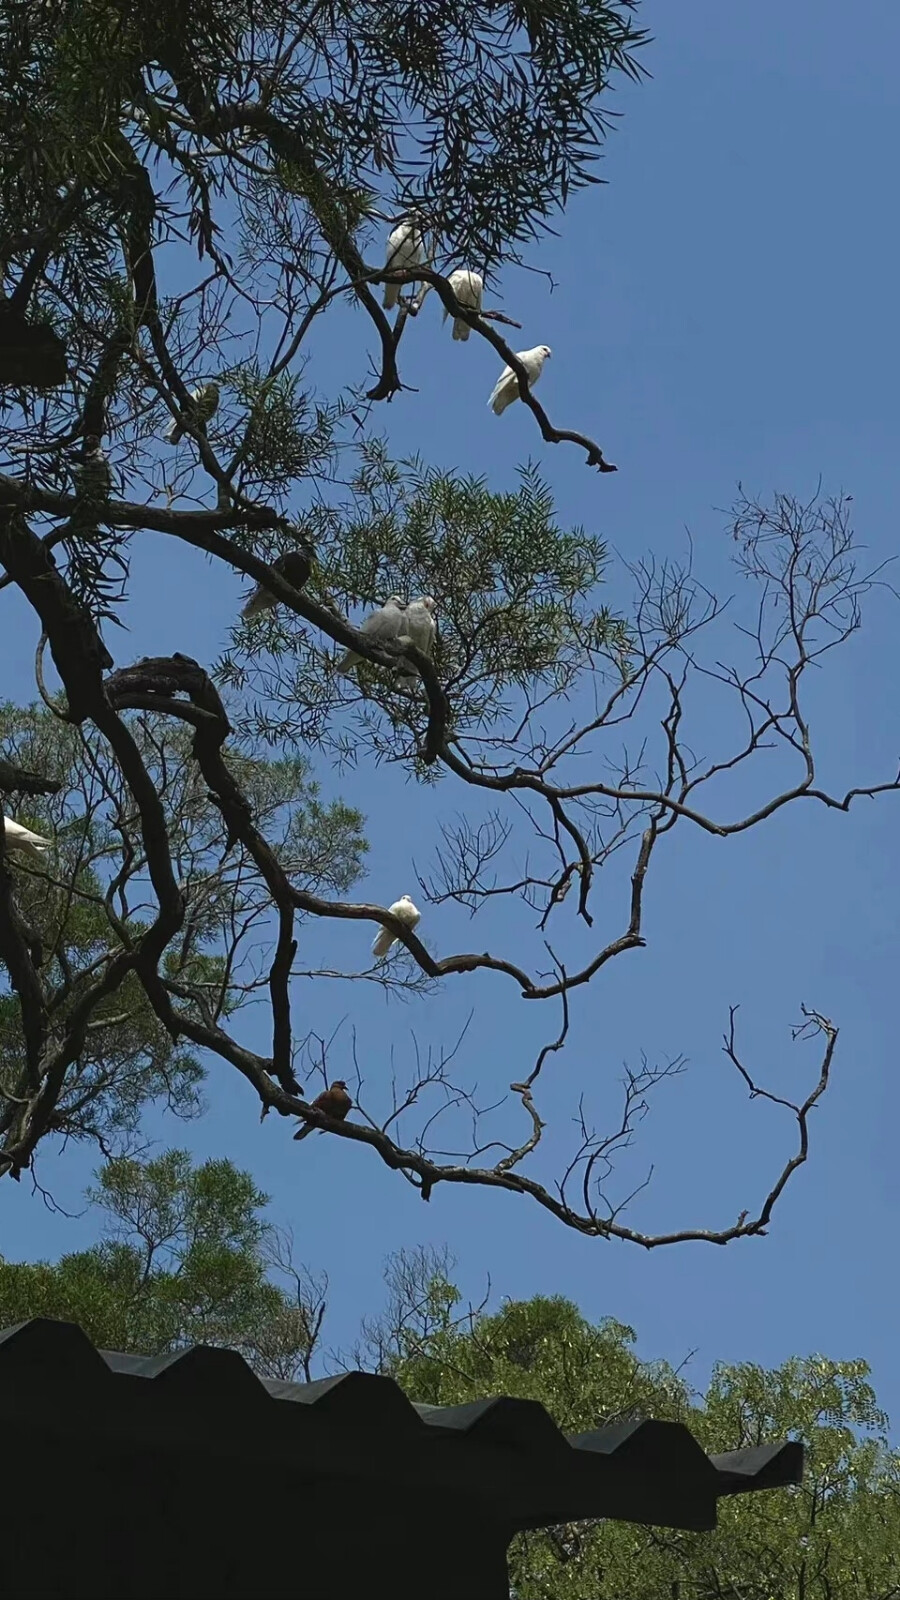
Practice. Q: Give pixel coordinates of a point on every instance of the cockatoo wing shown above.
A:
(418, 624)
(383, 626)
(404, 911)
(504, 392)
(468, 288)
(24, 840)
(384, 941)
(533, 362)
(406, 249)
(386, 623)
(420, 628)
(506, 389)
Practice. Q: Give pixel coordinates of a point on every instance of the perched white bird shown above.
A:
(91, 469)
(468, 288)
(381, 627)
(506, 389)
(420, 628)
(24, 840)
(206, 403)
(406, 913)
(405, 250)
(294, 566)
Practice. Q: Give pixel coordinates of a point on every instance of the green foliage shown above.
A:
(285, 435)
(545, 1350)
(184, 1263)
(87, 900)
(517, 619)
(836, 1537)
(186, 1259)
(488, 114)
(128, 1061)
(341, 209)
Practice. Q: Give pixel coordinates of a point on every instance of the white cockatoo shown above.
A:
(91, 469)
(205, 401)
(24, 840)
(382, 627)
(404, 910)
(468, 288)
(405, 250)
(506, 389)
(294, 566)
(420, 628)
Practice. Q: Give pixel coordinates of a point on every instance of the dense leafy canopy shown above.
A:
(186, 1260)
(189, 1257)
(836, 1537)
(95, 903)
(186, 190)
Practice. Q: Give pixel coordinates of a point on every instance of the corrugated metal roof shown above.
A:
(507, 1456)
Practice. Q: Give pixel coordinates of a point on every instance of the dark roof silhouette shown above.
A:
(250, 1485)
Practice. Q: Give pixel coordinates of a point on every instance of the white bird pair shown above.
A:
(406, 251)
(398, 623)
(24, 840)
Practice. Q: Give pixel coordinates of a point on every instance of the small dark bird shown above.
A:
(333, 1102)
(294, 566)
(91, 470)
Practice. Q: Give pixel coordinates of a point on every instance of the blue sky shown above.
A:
(723, 312)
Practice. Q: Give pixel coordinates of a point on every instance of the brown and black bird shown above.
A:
(333, 1102)
(294, 566)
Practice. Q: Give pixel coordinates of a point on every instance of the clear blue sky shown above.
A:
(724, 311)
